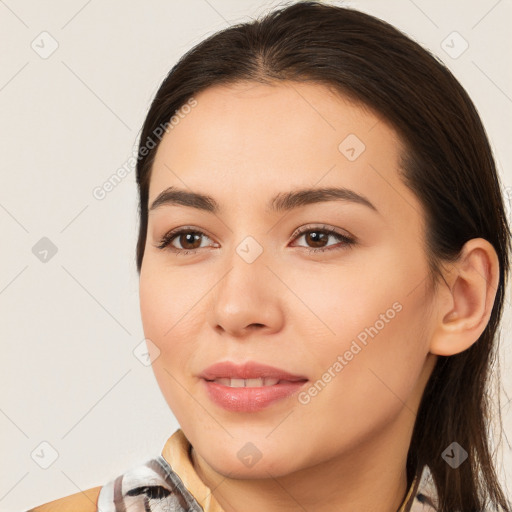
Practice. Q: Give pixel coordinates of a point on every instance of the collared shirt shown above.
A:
(169, 483)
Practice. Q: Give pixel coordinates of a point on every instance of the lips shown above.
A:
(249, 387)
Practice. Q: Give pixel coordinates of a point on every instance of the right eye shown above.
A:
(185, 236)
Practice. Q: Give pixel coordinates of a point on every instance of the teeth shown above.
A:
(237, 383)
(253, 383)
(249, 383)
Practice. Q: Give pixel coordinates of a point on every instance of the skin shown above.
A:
(347, 447)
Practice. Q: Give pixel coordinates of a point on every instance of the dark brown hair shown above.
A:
(447, 163)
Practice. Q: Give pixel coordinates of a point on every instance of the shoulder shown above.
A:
(154, 483)
(84, 501)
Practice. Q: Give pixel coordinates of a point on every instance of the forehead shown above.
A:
(247, 138)
(246, 117)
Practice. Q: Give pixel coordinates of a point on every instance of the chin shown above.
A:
(249, 466)
(260, 471)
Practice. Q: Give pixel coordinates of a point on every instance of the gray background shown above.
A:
(70, 119)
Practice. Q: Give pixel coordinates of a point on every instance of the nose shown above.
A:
(246, 300)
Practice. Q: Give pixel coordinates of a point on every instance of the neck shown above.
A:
(372, 477)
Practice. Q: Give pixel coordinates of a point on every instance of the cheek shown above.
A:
(341, 302)
(169, 301)
(370, 328)
(166, 318)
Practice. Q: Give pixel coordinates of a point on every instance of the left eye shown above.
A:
(189, 237)
(316, 235)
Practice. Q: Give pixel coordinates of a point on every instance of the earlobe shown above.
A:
(465, 305)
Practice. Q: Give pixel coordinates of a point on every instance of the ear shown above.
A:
(465, 305)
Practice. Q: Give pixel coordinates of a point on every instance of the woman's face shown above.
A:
(352, 320)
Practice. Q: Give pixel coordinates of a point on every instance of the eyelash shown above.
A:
(165, 242)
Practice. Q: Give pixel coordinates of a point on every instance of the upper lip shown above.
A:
(247, 370)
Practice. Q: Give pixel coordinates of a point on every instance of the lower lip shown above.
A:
(250, 399)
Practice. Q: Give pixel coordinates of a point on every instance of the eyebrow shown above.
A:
(284, 201)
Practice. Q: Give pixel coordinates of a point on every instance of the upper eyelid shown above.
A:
(300, 231)
(296, 231)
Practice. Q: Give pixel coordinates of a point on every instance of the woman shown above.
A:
(323, 253)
